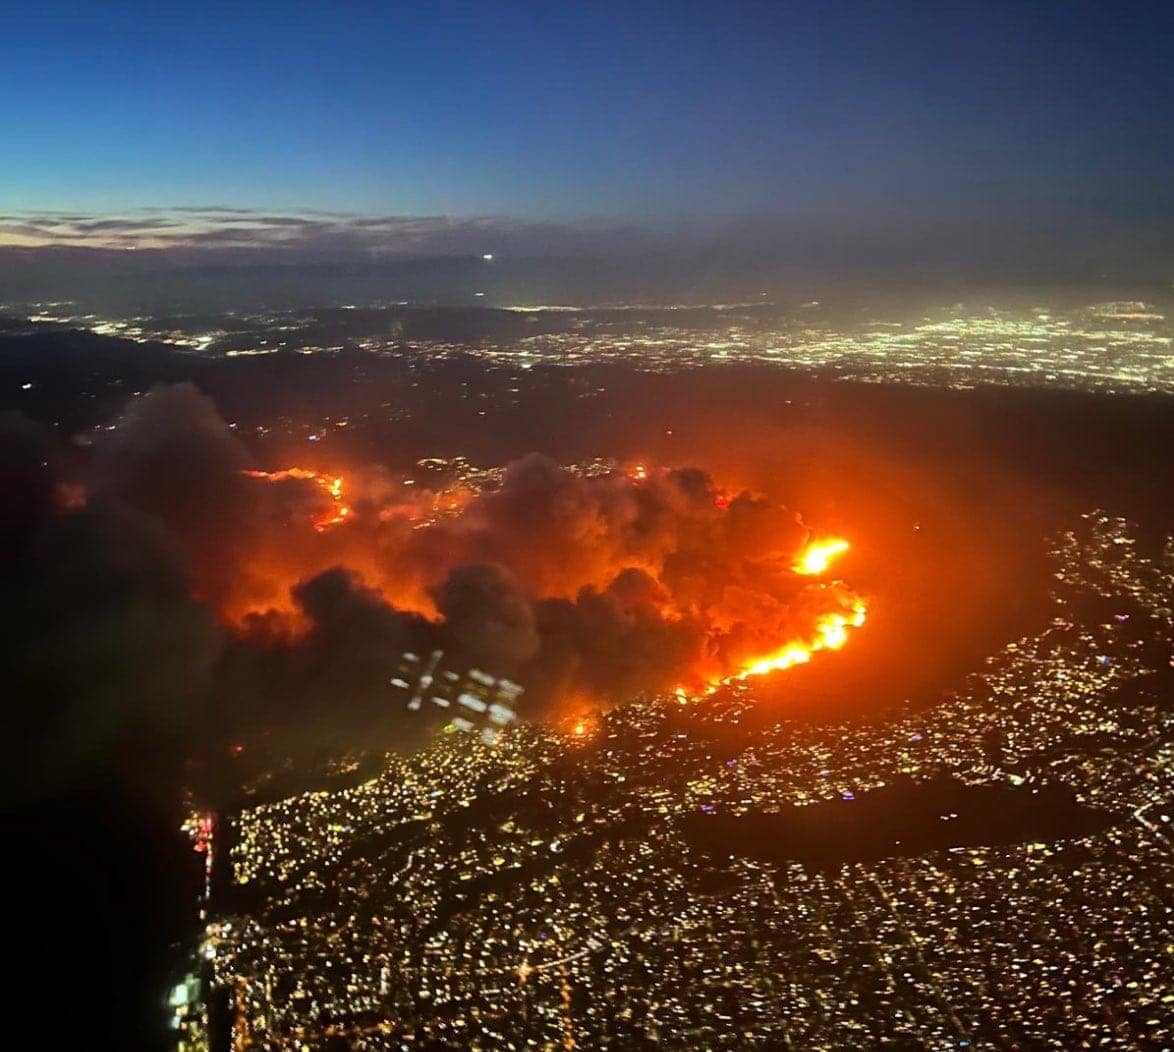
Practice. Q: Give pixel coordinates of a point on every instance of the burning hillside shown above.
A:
(283, 594)
(629, 581)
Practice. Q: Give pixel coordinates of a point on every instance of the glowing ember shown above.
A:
(818, 555)
(331, 485)
(70, 496)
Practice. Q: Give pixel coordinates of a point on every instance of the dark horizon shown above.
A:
(153, 281)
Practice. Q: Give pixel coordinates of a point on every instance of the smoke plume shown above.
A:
(172, 584)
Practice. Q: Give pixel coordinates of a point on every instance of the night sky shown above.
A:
(662, 116)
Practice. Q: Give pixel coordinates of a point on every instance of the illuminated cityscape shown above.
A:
(567, 890)
(1113, 346)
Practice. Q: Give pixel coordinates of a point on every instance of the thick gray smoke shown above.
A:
(169, 591)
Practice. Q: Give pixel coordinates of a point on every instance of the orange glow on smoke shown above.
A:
(750, 630)
(334, 522)
(818, 555)
(331, 485)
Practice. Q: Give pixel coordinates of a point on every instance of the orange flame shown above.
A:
(831, 630)
(330, 484)
(831, 633)
(818, 555)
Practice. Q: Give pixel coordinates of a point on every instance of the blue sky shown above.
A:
(631, 112)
